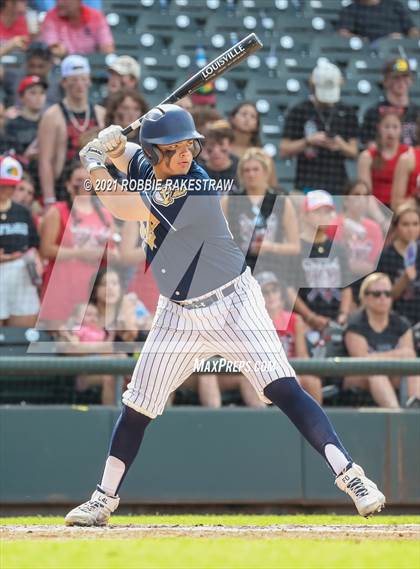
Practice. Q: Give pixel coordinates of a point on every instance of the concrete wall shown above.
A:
(192, 455)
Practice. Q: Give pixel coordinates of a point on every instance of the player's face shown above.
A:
(408, 228)
(378, 297)
(389, 129)
(177, 158)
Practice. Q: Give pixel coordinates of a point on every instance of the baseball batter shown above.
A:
(210, 304)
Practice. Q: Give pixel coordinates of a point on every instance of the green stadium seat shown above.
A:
(359, 92)
(338, 49)
(280, 92)
(165, 27)
(388, 48)
(187, 43)
(370, 68)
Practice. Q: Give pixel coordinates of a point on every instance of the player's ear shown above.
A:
(197, 147)
(153, 154)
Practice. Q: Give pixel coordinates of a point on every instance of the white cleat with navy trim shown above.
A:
(364, 493)
(94, 512)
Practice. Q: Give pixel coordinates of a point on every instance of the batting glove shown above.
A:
(93, 156)
(113, 140)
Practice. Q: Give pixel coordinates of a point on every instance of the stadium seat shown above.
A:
(270, 7)
(388, 48)
(338, 49)
(155, 89)
(297, 43)
(166, 27)
(370, 68)
(166, 66)
(359, 92)
(279, 92)
(187, 43)
(325, 9)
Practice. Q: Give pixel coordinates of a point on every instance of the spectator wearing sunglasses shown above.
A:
(378, 333)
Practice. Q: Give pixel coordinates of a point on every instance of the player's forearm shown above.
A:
(46, 177)
(122, 162)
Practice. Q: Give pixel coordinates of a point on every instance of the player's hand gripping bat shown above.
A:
(215, 68)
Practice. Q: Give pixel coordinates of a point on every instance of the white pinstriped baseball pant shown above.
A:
(237, 328)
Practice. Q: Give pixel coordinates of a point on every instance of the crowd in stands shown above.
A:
(335, 251)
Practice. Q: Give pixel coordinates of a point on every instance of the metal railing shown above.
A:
(41, 366)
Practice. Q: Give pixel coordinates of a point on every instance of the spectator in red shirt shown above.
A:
(71, 27)
(377, 164)
(361, 236)
(290, 329)
(14, 33)
(406, 183)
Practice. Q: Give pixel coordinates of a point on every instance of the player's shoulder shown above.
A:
(139, 165)
(197, 171)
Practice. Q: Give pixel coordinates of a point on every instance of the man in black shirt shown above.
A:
(374, 19)
(396, 84)
(322, 133)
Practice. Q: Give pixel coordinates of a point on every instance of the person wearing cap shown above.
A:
(62, 125)
(71, 27)
(322, 274)
(124, 72)
(290, 328)
(21, 132)
(375, 19)
(322, 133)
(19, 301)
(397, 80)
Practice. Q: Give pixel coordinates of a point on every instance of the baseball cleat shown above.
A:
(94, 512)
(364, 493)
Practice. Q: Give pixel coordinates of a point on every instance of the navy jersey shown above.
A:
(186, 240)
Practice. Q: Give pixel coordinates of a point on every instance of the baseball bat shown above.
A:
(215, 68)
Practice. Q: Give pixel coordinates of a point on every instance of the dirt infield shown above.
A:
(359, 532)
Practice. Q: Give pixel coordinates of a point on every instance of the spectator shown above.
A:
(361, 236)
(245, 123)
(375, 19)
(24, 193)
(124, 107)
(396, 93)
(123, 73)
(406, 183)
(38, 61)
(63, 124)
(73, 28)
(84, 335)
(140, 278)
(263, 223)
(74, 235)
(322, 133)
(401, 262)
(377, 333)
(323, 268)
(19, 263)
(186, 103)
(290, 328)
(22, 131)
(377, 163)
(14, 33)
(221, 164)
(4, 147)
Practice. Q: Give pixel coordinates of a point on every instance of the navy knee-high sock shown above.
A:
(311, 420)
(127, 437)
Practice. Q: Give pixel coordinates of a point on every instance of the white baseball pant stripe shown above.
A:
(237, 328)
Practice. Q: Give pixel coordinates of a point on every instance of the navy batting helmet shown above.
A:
(167, 124)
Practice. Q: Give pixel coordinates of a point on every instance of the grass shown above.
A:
(213, 553)
(228, 520)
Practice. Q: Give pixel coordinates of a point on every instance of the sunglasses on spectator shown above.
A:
(378, 293)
